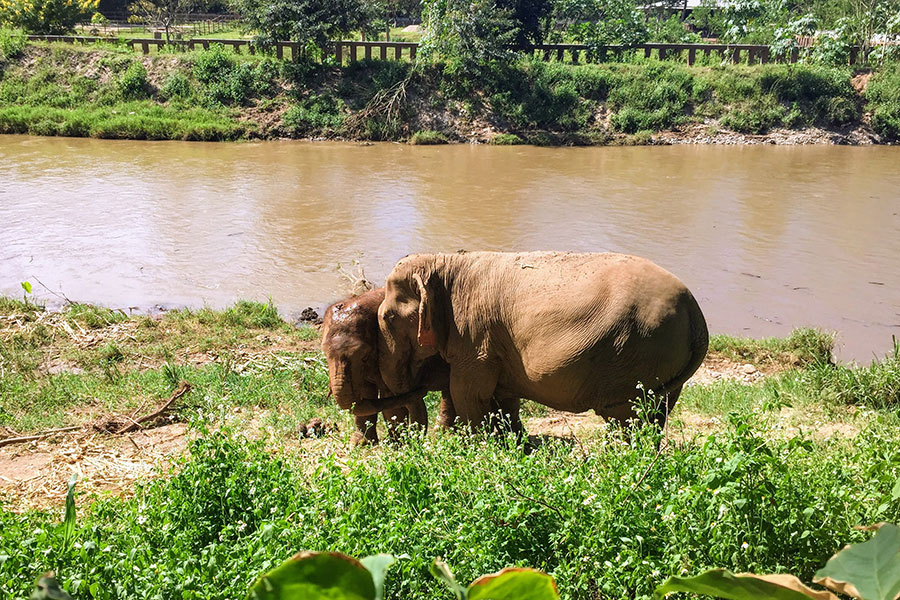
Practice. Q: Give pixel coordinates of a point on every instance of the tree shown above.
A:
(528, 17)
(311, 22)
(46, 17)
(163, 14)
(604, 22)
(470, 33)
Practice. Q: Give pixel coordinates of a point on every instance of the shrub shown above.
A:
(133, 84)
(652, 97)
(314, 115)
(228, 82)
(53, 17)
(176, 86)
(428, 138)
(883, 95)
(506, 139)
(12, 43)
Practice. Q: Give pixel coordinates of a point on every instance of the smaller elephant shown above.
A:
(350, 342)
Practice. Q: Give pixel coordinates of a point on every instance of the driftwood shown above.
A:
(183, 388)
(37, 436)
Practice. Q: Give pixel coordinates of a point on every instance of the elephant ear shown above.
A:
(426, 328)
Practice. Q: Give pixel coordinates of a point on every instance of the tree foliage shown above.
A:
(311, 22)
(47, 17)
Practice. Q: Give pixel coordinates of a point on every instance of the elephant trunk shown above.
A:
(342, 390)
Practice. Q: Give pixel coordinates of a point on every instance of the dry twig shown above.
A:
(183, 388)
(38, 436)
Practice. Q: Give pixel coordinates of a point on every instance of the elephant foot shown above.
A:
(358, 440)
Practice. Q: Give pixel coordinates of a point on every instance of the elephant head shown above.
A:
(410, 322)
(350, 343)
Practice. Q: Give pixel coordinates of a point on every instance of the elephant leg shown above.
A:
(446, 411)
(418, 414)
(394, 420)
(472, 390)
(365, 431)
(506, 406)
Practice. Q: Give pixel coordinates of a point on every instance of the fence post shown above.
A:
(764, 55)
(145, 47)
(647, 51)
(692, 56)
(412, 53)
(663, 52)
(368, 53)
(398, 51)
(383, 48)
(279, 50)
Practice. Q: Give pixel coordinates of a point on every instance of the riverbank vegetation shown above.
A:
(59, 89)
(764, 472)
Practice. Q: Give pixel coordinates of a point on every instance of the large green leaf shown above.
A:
(378, 565)
(316, 576)
(47, 588)
(721, 583)
(514, 584)
(870, 571)
(442, 572)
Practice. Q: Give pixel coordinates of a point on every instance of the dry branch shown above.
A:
(183, 388)
(37, 436)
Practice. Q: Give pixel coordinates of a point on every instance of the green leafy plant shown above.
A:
(867, 571)
(324, 575)
(12, 43)
(512, 583)
(53, 17)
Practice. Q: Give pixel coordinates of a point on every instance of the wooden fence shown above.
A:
(345, 51)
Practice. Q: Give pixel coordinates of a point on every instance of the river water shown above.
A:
(768, 238)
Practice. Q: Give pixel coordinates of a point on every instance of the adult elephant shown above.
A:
(571, 331)
(350, 342)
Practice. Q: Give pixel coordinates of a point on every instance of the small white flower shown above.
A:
(744, 546)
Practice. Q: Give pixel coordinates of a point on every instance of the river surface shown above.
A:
(768, 238)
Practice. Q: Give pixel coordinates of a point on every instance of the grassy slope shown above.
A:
(56, 89)
(612, 520)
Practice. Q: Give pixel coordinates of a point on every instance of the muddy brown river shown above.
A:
(768, 238)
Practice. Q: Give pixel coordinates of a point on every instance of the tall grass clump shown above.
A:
(876, 385)
(12, 43)
(755, 99)
(652, 97)
(883, 96)
(803, 347)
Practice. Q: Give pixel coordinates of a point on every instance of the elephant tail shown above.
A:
(699, 346)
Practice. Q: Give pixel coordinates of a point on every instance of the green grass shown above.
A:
(802, 347)
(763, 490)
(608, 519)
(883, 95)
(107, 91)
(428, 138)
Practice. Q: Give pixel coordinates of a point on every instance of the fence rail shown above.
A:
(350, 51)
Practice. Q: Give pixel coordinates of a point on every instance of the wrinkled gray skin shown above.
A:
(350, 342)
(575, 332)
